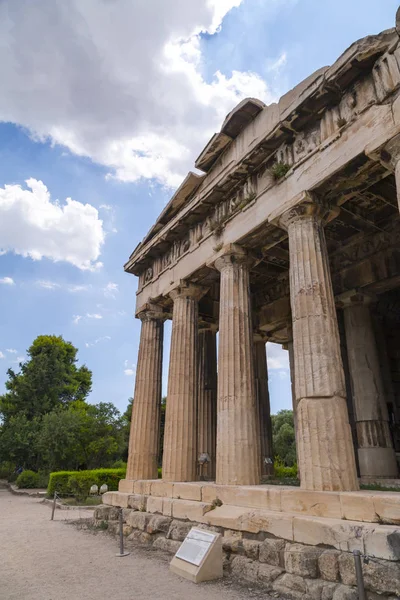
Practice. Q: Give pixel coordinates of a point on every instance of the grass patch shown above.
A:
(90, 501)
(281, 481)
(378, 488)
(279, 170)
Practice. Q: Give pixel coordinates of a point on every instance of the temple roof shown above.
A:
(295, 109)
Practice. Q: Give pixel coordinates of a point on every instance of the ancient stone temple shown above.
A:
(289, 232)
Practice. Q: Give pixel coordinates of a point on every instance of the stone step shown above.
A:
(365, 506)
(380, 541)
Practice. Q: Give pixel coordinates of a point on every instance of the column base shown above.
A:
(377, 463)
(326, 450)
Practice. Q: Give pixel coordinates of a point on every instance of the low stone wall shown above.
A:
(374, 539)
(293, 570)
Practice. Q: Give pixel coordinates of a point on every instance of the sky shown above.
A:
(104, 106)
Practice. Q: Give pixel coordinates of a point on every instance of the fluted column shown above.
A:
(238, 447)
(145, 422)
(263, 405)
(326, 453)
(207, 401)
(292, 387)
(180, 434)
(375, 448)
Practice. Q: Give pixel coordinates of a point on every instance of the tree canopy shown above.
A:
(46, 423)
(284, 440)
(49, 379)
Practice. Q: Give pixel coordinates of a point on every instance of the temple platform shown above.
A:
(365, 506)
(368, 521)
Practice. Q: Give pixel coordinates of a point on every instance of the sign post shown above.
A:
(200, 556)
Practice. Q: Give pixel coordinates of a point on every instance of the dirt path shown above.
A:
(45, 560)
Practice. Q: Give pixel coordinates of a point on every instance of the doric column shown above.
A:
(375, 448)
(145, 422)
(397, 176)
(263, 405)
(326, 453)
(238, 448)
(207, 400)
(384, 361)
(180, 434)
(292, 386)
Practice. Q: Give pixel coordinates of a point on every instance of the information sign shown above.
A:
(195, 546)
(200, 556)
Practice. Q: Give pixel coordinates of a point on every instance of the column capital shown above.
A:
(289, 330)
(204, 326)
(151, 311)
(232, 254)
(354, 298)
(260, 336)
(388, 155)
(186, 289)
(310, 206)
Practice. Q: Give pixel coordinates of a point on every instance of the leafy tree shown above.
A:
(107, 439)
(18, 441)
(84, 436)
(50, 379)
(128, 413)
(59, 439)
(284, 441)
(45, 423)
(162, 428)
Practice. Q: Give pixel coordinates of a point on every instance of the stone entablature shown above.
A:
(200, 244)
(241, 177)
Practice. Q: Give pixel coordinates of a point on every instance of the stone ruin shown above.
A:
(291, 234)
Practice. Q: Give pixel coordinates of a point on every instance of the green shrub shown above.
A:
(80, 484)
(60, 481)
(119, 464)
(28, 479)
(281, 471)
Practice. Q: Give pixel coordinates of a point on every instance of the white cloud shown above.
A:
(11, 351)
(69, 287)
(111, 289)
(277, 65)
(100, 339)
(76, 319)
(93, 316)
(33, 225)
(78, 288)
(109, 81)
(277, 357)
(21, 359)
(48, 285)
(2, 355)
(129, 368)
(7, 280)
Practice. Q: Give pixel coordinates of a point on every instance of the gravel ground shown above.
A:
(54, 560)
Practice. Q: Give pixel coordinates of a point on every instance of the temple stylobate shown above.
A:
(288, 232)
